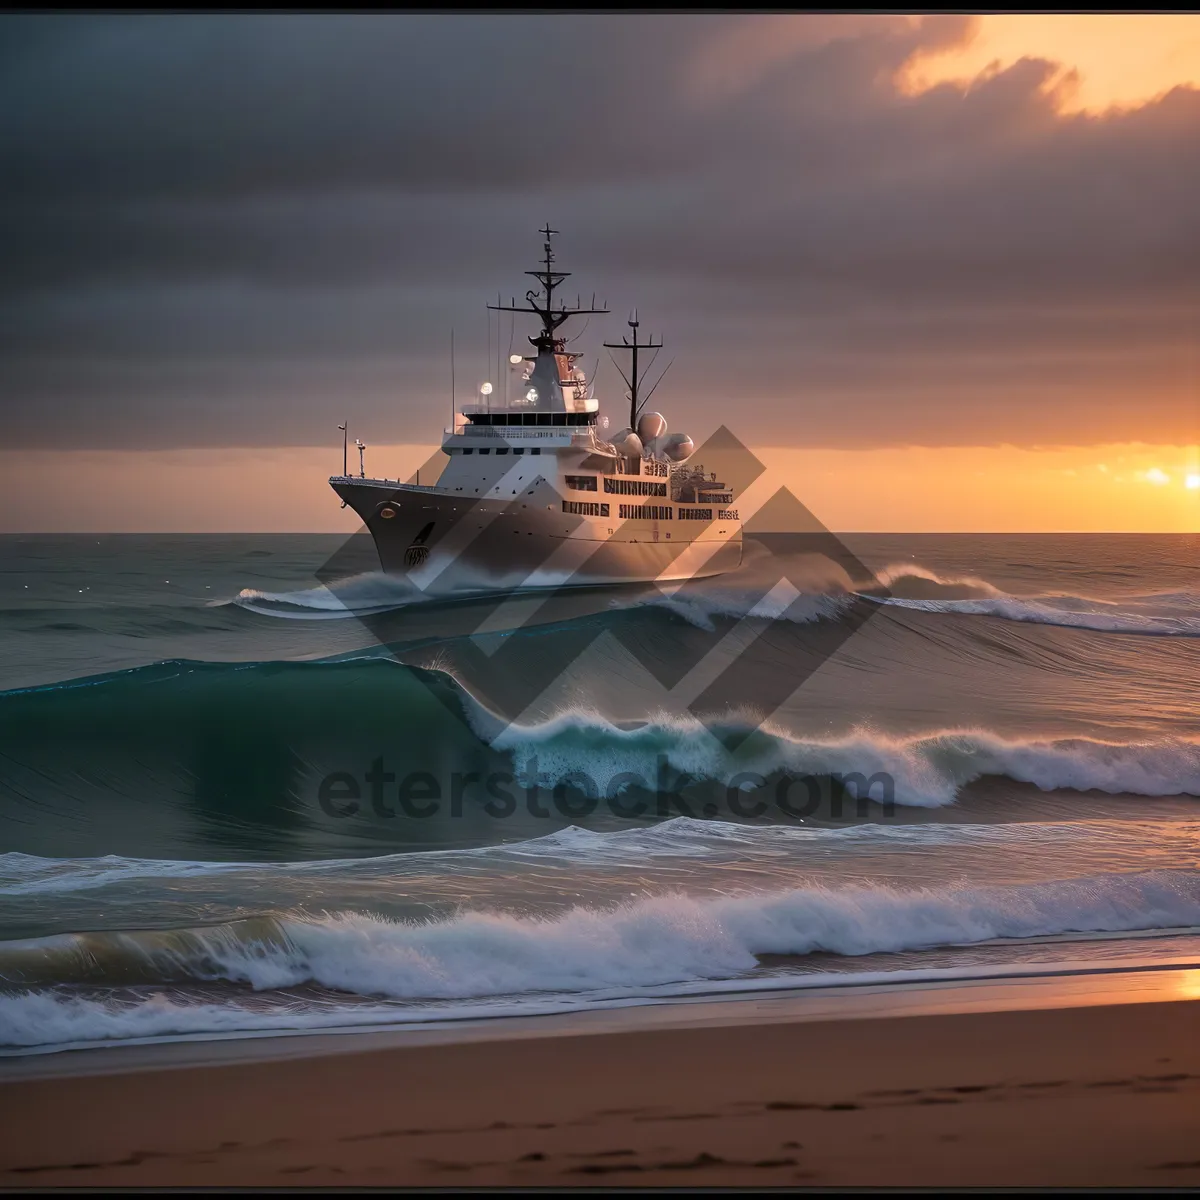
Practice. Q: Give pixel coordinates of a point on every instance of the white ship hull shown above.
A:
(449, 544)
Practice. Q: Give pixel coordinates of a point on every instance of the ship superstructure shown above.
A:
(532, 495)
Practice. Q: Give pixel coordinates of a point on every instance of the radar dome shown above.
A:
(628, 443)
(651, 426)
(678, 448)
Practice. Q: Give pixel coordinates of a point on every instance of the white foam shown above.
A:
(926, 771)
(673, 938)
(355, 596)
(699, 608)
(678, 837)
(57, 1019)
(1165, 614)
(47, 1022)
(479, 964)
(898, 576)
(1041, 612)
(589, 953)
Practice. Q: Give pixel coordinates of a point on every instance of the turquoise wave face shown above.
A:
(287, 761)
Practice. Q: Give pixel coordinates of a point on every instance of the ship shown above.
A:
(533, 495)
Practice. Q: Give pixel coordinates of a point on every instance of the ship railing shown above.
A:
(520, 432)
(414, 487)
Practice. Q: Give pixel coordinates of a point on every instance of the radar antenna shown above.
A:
(633, 381)
(540, 302)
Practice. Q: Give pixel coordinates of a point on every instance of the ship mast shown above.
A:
(633, 381)
(542, 306)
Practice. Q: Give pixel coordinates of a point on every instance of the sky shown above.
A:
(942, 272)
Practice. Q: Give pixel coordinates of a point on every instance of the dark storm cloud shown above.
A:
(214, 228)
(238, 106)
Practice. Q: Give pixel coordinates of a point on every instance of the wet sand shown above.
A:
(1103, 1091)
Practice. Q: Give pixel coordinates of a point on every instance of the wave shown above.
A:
(584, 952)
(679, 840)
(241, 749)
(1163, 614)
(823, 597)
(373, 594)
(927, 771)
(1073, 612)
(915, 582)
(701, 609)
(366, 594)
(44, 1022)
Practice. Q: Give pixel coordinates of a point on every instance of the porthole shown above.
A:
(387, 513)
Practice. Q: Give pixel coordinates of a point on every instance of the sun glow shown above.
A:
(1117, 488)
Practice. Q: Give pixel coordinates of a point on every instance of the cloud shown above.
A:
(217, 227)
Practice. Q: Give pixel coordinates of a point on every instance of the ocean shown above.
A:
(249, 785)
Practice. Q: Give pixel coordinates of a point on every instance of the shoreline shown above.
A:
(1012, 987)
(1070, 1079)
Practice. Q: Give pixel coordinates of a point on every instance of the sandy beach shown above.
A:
(1101, 1091)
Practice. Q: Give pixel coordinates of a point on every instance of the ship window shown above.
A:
(536, 450)
(634, 487)
(501, 449)
(585, 508)
(484, 451)
(519, 450)
(644, 512)
(581, 483)
(467, 450)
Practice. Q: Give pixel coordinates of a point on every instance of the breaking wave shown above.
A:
(598, 953)
(783, 605)
(359, 595)
(917, 582)
(821, 595)
(927, 771)
(1164, 614)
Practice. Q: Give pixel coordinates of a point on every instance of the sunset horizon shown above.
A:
(968, 235)
(1130, 488)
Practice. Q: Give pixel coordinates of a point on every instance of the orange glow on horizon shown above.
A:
(1128, 488)
(1124, 488)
